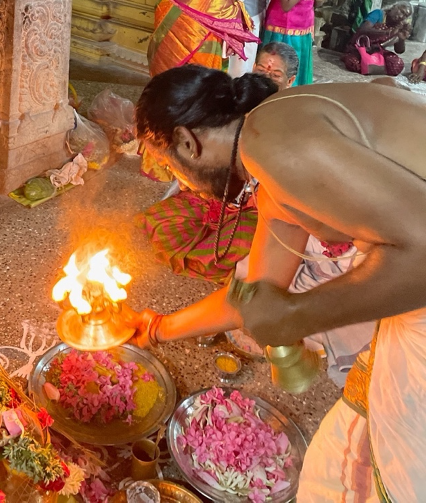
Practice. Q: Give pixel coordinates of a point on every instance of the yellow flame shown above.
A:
(120, 277)
(96, 270)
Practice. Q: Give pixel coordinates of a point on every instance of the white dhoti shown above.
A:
(343, 344)
(337, 465)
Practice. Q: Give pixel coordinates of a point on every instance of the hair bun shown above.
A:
(250, 90)
(196, 97)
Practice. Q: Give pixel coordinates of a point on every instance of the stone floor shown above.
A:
(36, 243)
(328, 67)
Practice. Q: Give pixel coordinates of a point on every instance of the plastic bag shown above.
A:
(116, 116)
(90, 140)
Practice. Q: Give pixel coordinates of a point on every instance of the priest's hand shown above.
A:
(268, 314)
(141, 322)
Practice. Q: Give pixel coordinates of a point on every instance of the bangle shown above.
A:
(152, 329)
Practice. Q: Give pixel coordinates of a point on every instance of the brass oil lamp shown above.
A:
(91, 294)
(293, 367)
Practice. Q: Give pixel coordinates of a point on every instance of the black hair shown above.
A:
(196, 97)
(286, 52)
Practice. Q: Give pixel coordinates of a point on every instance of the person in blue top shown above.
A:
(384, 28)
(399, 12)
(361, 11)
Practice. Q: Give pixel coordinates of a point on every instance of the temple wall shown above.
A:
(112, 32)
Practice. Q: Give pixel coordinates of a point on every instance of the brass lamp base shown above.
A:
(97, 331)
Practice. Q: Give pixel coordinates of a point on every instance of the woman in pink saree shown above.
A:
(292, 22)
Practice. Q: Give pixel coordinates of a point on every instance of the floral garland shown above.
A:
(25, 447)
(50, 462)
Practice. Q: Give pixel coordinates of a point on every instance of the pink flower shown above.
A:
(95, 491)
(12, 422)
(51, 391)
(226, 434)
(257, 496)
(2, 496)
(282, 443)
(336, 249)
(209, 479)
(96, 385)
(44, 418)
(147, 377)
(279, 486)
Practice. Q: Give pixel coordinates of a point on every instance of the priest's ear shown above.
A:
(186, 143)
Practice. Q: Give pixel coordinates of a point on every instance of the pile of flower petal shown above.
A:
(95, 386)
(232, 449)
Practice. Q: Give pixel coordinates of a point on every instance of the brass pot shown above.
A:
(293, 368)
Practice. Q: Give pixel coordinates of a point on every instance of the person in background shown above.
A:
(386, 28)
(236, 65)
(292, 22)
(183, 228)
(418, 70)
(357, 11)
(198, 32)
(349, 176)
(278, 61)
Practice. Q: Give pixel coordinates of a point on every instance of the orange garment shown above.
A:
(193, 31)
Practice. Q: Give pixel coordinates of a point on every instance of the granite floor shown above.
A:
(328, 67)
(36, 243)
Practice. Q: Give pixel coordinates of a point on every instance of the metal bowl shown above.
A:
(244, 344)
(269, 414)
(115, 432)
(227, 376)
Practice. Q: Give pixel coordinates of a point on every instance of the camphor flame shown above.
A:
(95, 271)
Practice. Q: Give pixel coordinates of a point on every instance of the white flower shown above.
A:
(74, 480)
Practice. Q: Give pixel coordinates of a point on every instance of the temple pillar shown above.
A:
(34, 111)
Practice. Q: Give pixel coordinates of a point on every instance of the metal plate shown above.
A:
(244, 344)
(169, 492)
(172, 492)
(115, 432)
(269, 414)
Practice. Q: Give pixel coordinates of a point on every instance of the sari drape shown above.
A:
(193, 31)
